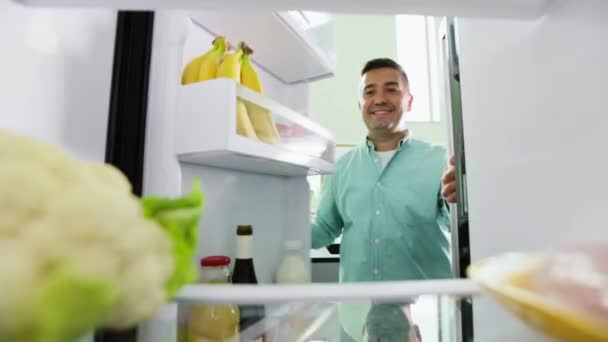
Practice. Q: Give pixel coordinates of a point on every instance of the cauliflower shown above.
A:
(78, 250)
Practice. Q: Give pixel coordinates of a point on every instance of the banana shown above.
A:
(190, 74)
(243, 124)
(249, 76)
(192, 71)
(230, 67)
(209, 66)
(262, 120)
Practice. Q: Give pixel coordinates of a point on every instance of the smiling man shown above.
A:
(386, 196)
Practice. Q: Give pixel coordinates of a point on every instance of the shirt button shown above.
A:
(376, 271)
(378, 212)
(377, 241)
(379, 184)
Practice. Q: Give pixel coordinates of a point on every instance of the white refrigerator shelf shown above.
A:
(206, 133)
(325, 292)
(312, 62)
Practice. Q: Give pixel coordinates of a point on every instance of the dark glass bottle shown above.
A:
(244, 273)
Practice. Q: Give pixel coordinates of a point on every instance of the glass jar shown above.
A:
(216, 269)
(214, 322)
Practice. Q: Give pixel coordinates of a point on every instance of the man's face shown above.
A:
(384, 99)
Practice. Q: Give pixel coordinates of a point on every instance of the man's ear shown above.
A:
(409, 103)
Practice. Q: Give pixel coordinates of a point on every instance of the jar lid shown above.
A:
(244, 229)
(215, 261)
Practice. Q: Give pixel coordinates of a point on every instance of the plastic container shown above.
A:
(294, 268)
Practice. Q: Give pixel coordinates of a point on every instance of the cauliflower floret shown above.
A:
(20, 149)
(25, 190)
(76, 225)
(108, 176)
(19, 277)
(111, 240)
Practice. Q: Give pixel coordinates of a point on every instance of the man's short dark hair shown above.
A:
(378, 63)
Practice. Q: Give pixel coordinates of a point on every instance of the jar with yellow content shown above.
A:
(214, 322)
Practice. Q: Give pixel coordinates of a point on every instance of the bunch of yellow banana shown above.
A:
(262, 120)
(252, 121)
(204, 67)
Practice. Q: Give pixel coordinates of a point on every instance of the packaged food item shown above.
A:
(563, 293)
(214, 322)
(294, 268)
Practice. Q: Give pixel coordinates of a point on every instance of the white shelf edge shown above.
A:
(323, 292)
(384, 7)
(281, 110)
(215, 142)
(310, 45)
(321, 167)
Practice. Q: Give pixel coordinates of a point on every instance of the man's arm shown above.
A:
(328, 224)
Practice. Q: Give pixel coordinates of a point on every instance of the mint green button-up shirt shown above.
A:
(394, 222)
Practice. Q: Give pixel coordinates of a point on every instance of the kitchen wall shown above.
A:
(333, 101)
(56, 68)
(535, 133)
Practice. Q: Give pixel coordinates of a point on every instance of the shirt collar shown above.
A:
(403, 142)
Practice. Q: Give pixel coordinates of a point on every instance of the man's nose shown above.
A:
(380, 99)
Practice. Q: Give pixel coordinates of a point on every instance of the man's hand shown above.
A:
(448, 182)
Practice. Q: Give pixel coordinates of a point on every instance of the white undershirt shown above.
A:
(385, 157)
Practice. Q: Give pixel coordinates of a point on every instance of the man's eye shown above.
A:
(369, 92)
(392, 90)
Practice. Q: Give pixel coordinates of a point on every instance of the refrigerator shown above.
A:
(523, 81)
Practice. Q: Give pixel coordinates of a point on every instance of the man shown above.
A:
(386, 196)
(389, 323)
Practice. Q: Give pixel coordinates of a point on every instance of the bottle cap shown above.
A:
(244, 230)
(215, 261)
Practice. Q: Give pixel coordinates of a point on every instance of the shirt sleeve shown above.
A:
(328, 223)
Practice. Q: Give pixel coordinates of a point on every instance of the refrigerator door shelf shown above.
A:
(326, 312)
(206, 133)
(463, 8)
(320, 292)
(307, 59)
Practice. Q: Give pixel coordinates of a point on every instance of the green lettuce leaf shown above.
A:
(179, 218)
(72, 305)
